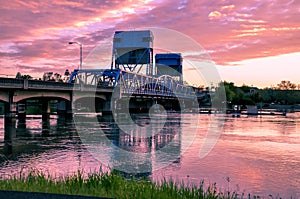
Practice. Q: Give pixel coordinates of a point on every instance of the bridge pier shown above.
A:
(107, 106)
(64, 108)
(61, 107)
(9, 123)
(69, 109)
(61, 112)
(64, 113)
(45, 116)
(21, 115)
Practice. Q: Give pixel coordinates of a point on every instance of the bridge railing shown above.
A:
(96, 77)
(131, 83)
(37, 84)
(137, 84)
(11, 82)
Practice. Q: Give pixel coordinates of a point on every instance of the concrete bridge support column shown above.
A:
(10, 121)
(69, 113)
(61, 112)
(69, 108)
(182, 104)
(45, 116)
(61, 107)
(21, 115)
(107, 107)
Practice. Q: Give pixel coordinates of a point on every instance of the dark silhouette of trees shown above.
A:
(67, 73)
(286, 85)
(20, 76)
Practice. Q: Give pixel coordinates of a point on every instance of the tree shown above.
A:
(57, 77)
(26, 77)
(18, 75)
(245, 88)
(256, 97)
(230, 90)
(238, 95)
(67, 73)
(286, 85)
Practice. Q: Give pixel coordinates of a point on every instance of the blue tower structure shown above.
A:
(169, 64)
(133, 51)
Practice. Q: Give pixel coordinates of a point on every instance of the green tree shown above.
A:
(238, 95)
(230, 91)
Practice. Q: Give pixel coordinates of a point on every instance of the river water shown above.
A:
(257, 155)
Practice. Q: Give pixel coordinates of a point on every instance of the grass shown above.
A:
(111, 185)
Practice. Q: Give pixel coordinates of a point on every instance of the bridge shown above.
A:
(132, 83)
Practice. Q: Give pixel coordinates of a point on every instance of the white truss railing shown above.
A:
(131, 83)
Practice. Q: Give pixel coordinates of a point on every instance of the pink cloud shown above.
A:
(33, 32)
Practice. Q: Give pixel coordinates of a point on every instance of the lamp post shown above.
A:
(80, 45)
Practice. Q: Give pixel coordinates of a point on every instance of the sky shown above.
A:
(253, 42)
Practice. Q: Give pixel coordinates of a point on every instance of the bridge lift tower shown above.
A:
(133, 51)
(169, 64)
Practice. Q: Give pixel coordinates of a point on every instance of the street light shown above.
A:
(80, 45)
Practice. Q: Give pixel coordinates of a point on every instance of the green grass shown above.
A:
(111, 185)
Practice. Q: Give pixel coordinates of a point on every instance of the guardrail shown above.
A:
(12, 83)
(33, 84)
(128, 89)
(48, 85)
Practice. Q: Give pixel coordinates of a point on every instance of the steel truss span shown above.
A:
(132, 83)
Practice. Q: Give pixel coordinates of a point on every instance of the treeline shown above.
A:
(48, 76)
(284, 93)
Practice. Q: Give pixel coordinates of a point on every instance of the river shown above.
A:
(258, 155)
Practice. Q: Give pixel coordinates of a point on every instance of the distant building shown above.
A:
(252, 110)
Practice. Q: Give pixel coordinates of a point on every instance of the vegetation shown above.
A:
(284, 93)
(48, 76)
(111, 185)
(286, 85)
(20, 76)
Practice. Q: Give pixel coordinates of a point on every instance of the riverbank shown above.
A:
(111, 185)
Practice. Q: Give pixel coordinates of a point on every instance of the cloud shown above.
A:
(32, 33)
(216, 15)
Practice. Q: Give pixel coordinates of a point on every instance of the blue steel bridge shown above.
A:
(132, 84)
(133, 74)
(133, 70)
(132, 78)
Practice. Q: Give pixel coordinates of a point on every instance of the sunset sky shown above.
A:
(251, 42)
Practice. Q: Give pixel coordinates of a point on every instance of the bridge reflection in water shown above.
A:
(24, 136)
(132, 149)
(31, 138)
